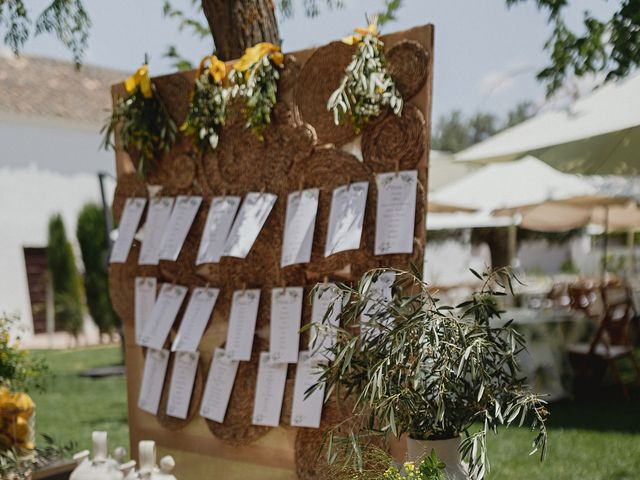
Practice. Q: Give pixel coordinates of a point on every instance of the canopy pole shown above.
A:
(605, 243)
(512, 245)
(631, 257)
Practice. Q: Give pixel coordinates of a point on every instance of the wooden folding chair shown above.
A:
(611, 341)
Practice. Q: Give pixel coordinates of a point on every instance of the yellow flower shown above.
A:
(254, 54)
(140, 79)
(217, 68)
(361, 33)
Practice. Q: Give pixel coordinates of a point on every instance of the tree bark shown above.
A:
(238, 24)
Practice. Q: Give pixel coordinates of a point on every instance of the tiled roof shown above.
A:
(39, 87)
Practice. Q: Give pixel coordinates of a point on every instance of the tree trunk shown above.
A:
(239, 24)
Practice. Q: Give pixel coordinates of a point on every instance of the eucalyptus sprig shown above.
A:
(145, 126)
(428, 370)
(208, 107)
(254, 78)
(366, 87)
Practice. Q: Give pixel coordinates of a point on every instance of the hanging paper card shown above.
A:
(216, 230)
(182, 216)
(242, 324)
(346, 218)
(267, 404)
(133, 209)
(300, 223)
(157, 219)
(327, 305)
(155, 369)
(253, 214)
(307, 412)
(163, 315)
(222, 376)
(145, 299)
(195, 319)
(185, 365)
(284, 332)
(396, 212)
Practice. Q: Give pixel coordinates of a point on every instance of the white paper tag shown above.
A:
(222, 376)
(242, 324)
(185, 365)
(195, 319)
(145, 299)
(267, 405)
(155, 369)
(307, 412)
(326, 296)
(284, 331)
(380, 291)
(253, 214)
(163, 315)
(302, 207)
(157, 219)
(396, 212)
(184, 212)
(131, 215)
(216, 230)
(346, 218)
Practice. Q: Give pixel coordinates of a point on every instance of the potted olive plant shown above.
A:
(443, 376)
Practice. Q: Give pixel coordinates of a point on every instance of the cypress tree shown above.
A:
(67, 289)
(93, 246)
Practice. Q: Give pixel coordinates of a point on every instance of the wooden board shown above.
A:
(200, 454)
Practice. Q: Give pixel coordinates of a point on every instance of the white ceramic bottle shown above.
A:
(101, 467)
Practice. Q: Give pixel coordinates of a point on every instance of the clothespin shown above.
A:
(244, 289)
(397, 167)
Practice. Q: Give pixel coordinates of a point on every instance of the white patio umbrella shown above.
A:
(598, 134)
(500, 186)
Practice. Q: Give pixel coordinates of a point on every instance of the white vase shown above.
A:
(447, 451)
(101, 467)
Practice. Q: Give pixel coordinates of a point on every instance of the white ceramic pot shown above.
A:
(148, 468)
(101, 467)
(447, 451)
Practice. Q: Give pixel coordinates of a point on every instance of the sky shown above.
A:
(486, 55)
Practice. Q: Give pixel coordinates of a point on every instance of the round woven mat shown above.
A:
(332, 168)
(166, 169)
(409, 66)
(175, 92)
(319, 78)
(174, 423)
(395, 141)
(238, 163)
(286, 144)
(237, 428)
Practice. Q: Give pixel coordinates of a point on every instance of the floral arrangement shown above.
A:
(377, 464)
(430, 371)
(141, 120)
(208, 107)
(254, 78)
(366, 87)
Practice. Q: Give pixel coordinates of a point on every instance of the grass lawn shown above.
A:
(587, 440)
(73, 406)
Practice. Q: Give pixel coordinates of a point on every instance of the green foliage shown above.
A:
(65, 279)
(19, 372)
(187, 21)
(608, 46)
(377, 464)
(67, 19)
(366, 87)
(428, 370)
(93, 246)
(258, 87)
(207, 112)
(146, 128)
(18, 464)
(454, 132)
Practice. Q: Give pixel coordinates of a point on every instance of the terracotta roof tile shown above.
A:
(33, 86)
